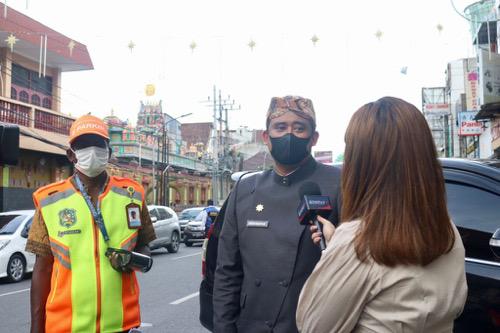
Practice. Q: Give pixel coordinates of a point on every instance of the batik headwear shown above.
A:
(301, 106)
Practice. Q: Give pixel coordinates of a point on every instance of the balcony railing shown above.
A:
(16, 112)
(132, 150)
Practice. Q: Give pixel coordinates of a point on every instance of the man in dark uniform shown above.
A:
(265, 255)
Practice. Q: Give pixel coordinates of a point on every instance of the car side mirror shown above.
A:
(153, 219)
(495, 243)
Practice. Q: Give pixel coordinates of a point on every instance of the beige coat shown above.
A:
(344, 294)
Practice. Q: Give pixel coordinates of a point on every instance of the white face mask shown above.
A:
(91, 161)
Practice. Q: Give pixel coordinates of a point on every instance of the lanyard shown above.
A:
(96, 211)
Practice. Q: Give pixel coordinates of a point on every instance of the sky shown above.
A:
(348, 67)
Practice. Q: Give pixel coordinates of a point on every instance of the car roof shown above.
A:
(157, 206)
(19, 212)
(193, 208)
(487, 167)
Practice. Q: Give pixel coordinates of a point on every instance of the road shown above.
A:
(169, 299)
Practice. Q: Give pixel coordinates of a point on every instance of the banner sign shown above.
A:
(437, 108)
(467, 126)
(489, 77)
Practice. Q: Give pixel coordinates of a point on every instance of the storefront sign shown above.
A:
(467, 126)
(437, 108)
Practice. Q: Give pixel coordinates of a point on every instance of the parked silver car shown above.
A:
(188, 215)
(167, 229)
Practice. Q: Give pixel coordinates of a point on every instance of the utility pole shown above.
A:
(220, 107)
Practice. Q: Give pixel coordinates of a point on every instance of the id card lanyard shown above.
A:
(96, 211)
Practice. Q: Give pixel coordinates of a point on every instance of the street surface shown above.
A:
(169, 295)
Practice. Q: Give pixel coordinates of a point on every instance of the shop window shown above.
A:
(13, 93)
(35, 100)
(24, 97)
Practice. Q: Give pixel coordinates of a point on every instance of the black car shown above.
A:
(473, 194)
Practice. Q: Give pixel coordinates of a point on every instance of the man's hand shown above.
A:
(40, 288)
(328, 231)
(116, 262)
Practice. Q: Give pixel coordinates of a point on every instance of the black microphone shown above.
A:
(312, 204)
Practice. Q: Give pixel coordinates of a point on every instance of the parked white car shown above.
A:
(167, 229)
(15, 262)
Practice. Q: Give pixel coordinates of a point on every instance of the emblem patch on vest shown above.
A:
(67, 217)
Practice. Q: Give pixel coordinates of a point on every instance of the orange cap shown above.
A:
(88, 124)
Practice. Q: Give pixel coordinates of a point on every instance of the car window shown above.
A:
(10, 223)
(153, 213)
(473, 208)
(163, 214)
(475, 213)
(199, 217)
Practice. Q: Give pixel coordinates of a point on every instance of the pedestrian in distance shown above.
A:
(209, 214)
(264, 254)
(79, 283)
(396, 262)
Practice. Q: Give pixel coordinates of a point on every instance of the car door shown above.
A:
(474, 206)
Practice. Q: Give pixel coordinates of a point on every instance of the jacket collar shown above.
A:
(301, 173)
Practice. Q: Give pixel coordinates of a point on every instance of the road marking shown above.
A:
(189, 255)
(15, 292)
(182, 300)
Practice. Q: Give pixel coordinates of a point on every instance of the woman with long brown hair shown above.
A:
(396, 263)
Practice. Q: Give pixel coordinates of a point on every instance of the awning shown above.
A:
(488, 111)
(42, 141)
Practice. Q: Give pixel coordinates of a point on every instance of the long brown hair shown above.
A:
(393, 182)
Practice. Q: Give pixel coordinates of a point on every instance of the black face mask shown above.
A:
(289, 149)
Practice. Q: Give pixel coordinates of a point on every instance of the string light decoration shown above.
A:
(192, 46)
(131, 46)
(71, 46)
(439, 28)
(251, 44)
(379, 34)
(314, 39)
(11, 40)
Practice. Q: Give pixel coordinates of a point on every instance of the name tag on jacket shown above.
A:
(257, 224)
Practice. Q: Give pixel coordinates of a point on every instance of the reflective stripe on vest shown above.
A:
(87, 294)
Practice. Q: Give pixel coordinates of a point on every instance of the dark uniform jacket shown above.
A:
(265, 255)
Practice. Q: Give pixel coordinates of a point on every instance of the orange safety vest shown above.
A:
(87, 294)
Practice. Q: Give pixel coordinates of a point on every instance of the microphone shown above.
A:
(312, 204)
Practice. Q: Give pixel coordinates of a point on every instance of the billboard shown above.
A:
(324, 156)
(489, 77)
(471, 85)
(467, 126)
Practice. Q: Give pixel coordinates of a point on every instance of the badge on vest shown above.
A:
(257, 224)
(67, 217)
(133, 215)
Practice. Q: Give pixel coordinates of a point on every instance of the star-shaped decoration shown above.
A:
(259, 208)
(131, 46)
(251, 44)
(439, 27)
(71, 46)
(404, 70)
(379, 34)
(192, 46)
(314, 39)
(11, 40)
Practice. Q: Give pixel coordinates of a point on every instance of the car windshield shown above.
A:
(10, 223)
(190, 214)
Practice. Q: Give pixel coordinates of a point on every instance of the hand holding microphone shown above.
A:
(313, 206)
(328, 229)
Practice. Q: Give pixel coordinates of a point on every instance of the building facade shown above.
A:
(30, 97)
